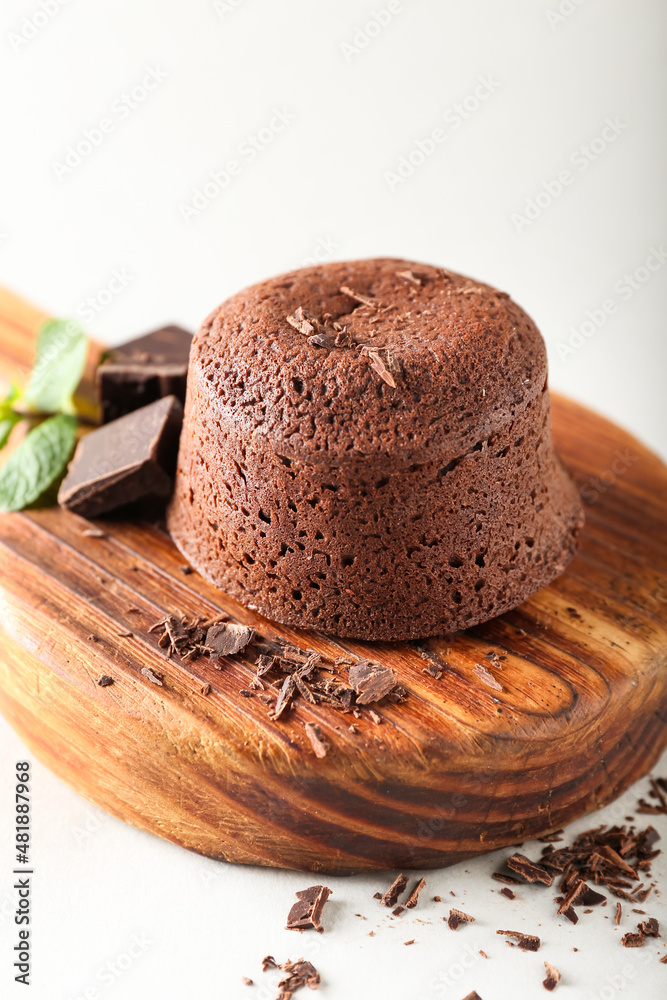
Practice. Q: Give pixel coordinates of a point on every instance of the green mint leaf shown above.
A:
(37, 462)
(62, 348)
(8, 418)
(8, 422)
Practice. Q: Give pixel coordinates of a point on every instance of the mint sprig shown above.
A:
(40, 459)
(37, 462)
(62, 348)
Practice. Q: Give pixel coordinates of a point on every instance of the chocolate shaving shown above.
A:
(527, 942)
(314, 734)
(458, 917)
(226, 639)
(650, 927)
(552, 978)
(378, 365)
(486, 677)
(104, 681)
(371, 681)
(508, 892)
(300, 973)
(527, 870)
(363, 299)
(153, 678)
(633, 940)
(411, 901)
(396, 889)
(409, 276)
(307, 912)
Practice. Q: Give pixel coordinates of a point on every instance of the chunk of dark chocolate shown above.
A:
(307, 912)
(143, 370)
(129, 459)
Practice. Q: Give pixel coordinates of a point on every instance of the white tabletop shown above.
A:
(520, 142)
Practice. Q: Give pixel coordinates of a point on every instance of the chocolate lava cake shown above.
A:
(367, 450)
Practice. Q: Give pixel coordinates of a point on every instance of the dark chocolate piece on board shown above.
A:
(104, 681)
(396, 889)
(307, 912)
(143, 370)
(371, 681)
(126, 460)
(228, 638)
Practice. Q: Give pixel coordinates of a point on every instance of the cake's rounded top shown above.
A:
(369, 356)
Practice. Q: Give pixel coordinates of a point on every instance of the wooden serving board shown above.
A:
(472, 761)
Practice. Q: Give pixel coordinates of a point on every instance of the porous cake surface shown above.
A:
(367, 450)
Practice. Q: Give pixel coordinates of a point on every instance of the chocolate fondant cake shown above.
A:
(367, 450)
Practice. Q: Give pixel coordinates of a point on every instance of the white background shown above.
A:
(358, 101)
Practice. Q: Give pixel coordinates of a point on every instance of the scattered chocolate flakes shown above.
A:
(301, 321)
(363, 299)
(411, 901)
(508, 892)
(433, 670)
(411, 941)
(206, 689)
(226, 639)
(633, 940)
(377, 719)
(458, 917)
(397, 912)
(307, 912)
(527, 942)
(187, 570)
(186, 638)
(371, 681)
(314, 734)
(246, 981)
(486, 677)
(269, 962)
(153, 678)
(437, 899)
(553, 977)
(396, 889)
(409, 276)
(527, 870)
(104, 681)
(663, 959)
(657, 792)
(507, 879)
(650, 927)
(300, 973)
(378, 365)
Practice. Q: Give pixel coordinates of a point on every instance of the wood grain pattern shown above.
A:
(575, 712)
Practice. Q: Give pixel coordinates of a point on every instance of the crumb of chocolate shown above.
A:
(314, 734)
(396, 889)
(411, 901)
(528, 870)
(152, 677)
(187, 570)
(124, 634)
(552, 978)
(508, 892)
(397, 912)
(363, 299)
(619, 914)
(307, 911)
(633, 940)
(437, 899)
(104, 681)
(371, 681)
(227, 638)
(298, 974)
(409, 276)
(93, 638)
(458, 917)
(377, 719)
(483, 953)
(486, 677)
(526, 942)
(411, 941)
(206, 689)
(246, 981)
